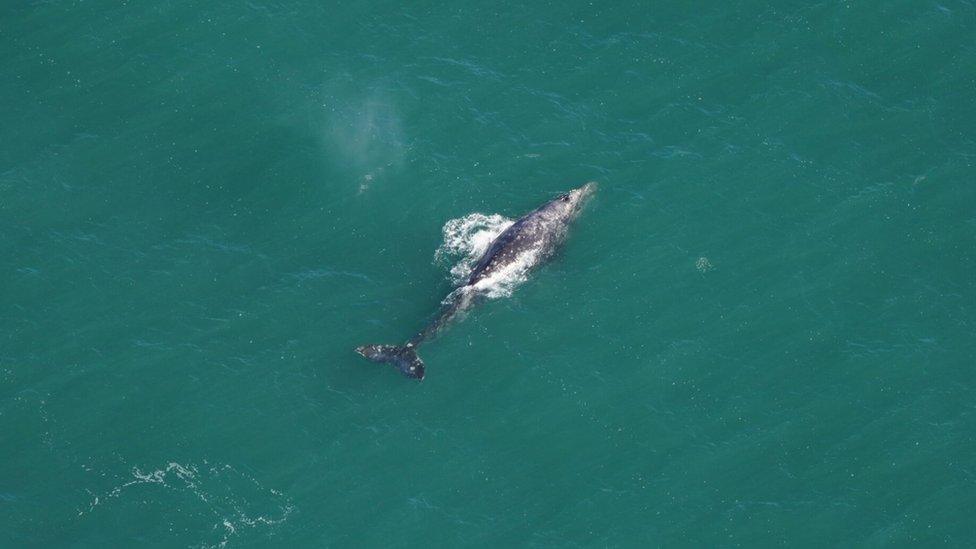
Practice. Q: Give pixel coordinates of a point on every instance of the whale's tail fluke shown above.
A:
(403, 357)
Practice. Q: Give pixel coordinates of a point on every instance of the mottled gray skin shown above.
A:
(535, 237)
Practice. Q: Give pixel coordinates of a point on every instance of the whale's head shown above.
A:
(568, 205)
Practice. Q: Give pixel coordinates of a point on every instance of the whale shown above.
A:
(527, 243)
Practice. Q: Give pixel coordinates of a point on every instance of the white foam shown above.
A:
(236, 501)
(466, 239)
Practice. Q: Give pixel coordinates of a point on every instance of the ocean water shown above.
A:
(761, 332)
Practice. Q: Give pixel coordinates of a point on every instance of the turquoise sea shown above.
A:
(761, 332)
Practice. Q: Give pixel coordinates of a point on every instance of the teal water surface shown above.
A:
(761, 331)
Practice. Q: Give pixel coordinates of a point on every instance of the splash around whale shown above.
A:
(526, 243)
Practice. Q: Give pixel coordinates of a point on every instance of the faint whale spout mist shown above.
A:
(364, 133)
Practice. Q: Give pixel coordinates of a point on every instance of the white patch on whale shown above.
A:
(466, 239)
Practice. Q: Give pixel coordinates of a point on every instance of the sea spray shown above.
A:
(466, 239)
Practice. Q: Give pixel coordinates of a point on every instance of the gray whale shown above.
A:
(528, 242)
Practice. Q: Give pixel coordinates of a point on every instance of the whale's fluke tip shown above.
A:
(404, 358)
